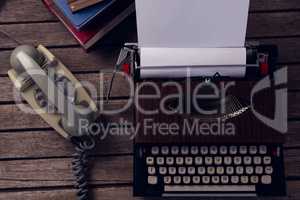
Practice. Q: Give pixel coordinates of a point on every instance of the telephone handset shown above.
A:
(59, 98)
(43, 81)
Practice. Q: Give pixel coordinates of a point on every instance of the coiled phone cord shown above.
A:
(80, 165)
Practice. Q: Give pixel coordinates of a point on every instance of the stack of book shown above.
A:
(90, 20)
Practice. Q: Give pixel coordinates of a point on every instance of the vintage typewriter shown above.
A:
(194, 163)
(181, 152)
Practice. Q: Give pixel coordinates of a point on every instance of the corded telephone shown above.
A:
(59, 98)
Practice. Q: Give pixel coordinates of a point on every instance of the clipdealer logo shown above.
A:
(279, 85)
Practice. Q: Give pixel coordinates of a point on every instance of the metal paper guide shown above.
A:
(192, 38)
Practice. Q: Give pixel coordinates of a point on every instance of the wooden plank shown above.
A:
(31, 144)
(99, 81)
(294, 106)
(35, 11)
(75, 58)
(293, 136)
(293, 77)
(50, 34)
(273, 5)
(292, 162)
(105, 170)
(124, 193)
(30, 11)
(58, 172)
(118, 192)
(273, 24)
(54, 34)
(12, 117)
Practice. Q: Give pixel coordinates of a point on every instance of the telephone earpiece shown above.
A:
(30, 51)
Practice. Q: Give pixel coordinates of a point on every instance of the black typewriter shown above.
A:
(248, 163)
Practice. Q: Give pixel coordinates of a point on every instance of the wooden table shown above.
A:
(35, 162)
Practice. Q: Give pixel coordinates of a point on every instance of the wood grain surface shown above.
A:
(35, 162)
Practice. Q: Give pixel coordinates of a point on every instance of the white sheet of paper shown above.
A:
(192, 23)
(188, 57)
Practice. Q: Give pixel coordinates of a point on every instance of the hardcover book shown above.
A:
(89, 36)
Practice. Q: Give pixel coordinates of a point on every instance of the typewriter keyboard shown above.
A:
(191, 169)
